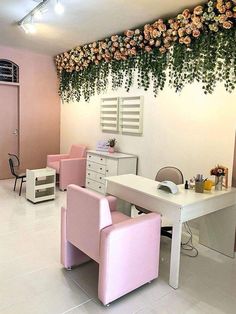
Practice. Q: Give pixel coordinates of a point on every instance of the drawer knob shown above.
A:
(101, 158)
(100, 178)
(100, 187)
(88, 174)
(90, 156)
(100, 168)
(88, 182)
(89, 165)
(107, 170)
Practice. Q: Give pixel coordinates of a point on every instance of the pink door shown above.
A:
(8, 126)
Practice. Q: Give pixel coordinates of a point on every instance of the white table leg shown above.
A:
(175, 255)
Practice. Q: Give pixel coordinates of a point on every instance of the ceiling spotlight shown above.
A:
(59, 8)
(29, 27)
(38, 15)
(27, 23)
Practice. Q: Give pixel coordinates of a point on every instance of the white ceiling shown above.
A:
(82, 22)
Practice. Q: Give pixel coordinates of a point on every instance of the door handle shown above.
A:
(15, 132)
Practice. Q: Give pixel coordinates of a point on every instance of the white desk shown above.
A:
(178, 208)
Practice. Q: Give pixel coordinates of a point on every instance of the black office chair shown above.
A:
(171, 174)
(14, 164)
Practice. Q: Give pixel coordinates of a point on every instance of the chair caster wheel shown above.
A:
(68, 268)
(107, 305)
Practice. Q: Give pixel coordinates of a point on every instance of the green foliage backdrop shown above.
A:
(197, 45)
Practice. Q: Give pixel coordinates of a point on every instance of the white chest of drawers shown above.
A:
(103, 164)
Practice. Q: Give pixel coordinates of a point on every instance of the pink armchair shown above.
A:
(126, 249)
(71, 167)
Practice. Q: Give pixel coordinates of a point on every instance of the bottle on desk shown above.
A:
(186, 185)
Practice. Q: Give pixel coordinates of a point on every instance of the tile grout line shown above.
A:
(75, 307)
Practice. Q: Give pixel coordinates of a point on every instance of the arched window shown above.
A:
(9, 71)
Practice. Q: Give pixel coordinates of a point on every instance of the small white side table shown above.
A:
(40, 184)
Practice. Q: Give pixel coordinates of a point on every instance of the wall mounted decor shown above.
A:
(196, 45)
(109, 111)
(122, 114)
(131, 115)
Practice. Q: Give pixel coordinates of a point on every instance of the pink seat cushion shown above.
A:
(55, 165)
(118, 217)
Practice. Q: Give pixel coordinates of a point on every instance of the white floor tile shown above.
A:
(33, 281)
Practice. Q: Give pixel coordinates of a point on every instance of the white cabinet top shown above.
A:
(42, 172)
(111, 155)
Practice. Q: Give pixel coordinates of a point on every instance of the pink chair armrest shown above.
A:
(72, 171)
(112, 202)
(52, 158)
(129, 255)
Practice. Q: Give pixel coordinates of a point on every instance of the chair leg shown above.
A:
(15, 184)
(166, 233)
(20, 186)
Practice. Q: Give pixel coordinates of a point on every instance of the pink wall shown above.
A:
(39, 106)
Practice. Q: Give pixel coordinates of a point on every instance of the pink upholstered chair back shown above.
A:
(88, 213)
(77, 151)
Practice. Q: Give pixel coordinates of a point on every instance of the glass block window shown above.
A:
(9, 71)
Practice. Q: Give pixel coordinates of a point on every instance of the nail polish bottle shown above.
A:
(186, 185)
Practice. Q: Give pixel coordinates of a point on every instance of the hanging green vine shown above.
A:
(197, 45)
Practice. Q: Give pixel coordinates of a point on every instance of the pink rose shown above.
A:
(186, 14)
(167, 40)
(176, 26)
(198, 10)
(229, 13)
(133, 42)
(151, 42)
(196, 33)
(181, 32)
(133, 51)
(199, 25)
(228, 5)
(222, 18)
(156, 33)
(162, 49)
(196, 20)
(129, 33)
(155, 24)
(222, 9)
(148, 48)
(114, 38)
(167, 45)
(147, 28)
(227, 24)
(104, 45)
(162, 27)
(187, 40)
(188, 30)
(117, 55)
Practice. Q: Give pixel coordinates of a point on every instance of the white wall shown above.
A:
(189, 130)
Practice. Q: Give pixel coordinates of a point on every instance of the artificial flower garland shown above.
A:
(195, 45)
